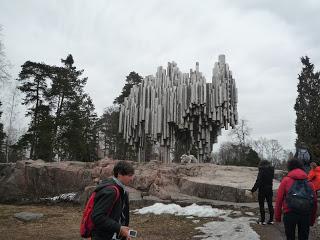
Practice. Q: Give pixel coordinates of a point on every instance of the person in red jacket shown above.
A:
(314, 176)
(292, 219)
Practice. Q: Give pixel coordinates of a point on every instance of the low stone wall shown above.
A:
(211, 191)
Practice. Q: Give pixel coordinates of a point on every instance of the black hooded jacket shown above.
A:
(265, 177)
(105, 226)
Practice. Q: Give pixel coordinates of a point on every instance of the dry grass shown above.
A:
(62, 222)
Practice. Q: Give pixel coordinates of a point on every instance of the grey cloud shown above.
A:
(262, 41)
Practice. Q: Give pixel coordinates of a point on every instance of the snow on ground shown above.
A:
(230, 229)
(65, 197)
(192, 210)
(236, 228)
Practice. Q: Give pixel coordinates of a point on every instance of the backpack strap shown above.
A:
(116, 198)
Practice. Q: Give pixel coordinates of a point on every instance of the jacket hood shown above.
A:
(104, 183)
(297, 174)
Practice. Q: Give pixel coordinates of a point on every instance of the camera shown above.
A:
(133, 233)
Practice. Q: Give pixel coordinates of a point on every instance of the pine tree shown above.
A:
(307, 106)
(113, 144)
(62, 115)
(90, 131)
(75, 133)
(132, 79)
(108, 130)
(33, 80)
(65, 96)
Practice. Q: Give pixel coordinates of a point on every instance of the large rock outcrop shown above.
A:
(37, 179)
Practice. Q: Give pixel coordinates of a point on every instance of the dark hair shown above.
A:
(123, 168)
(294, 163)
(264, 163)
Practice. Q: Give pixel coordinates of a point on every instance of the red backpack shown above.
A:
(86, 224)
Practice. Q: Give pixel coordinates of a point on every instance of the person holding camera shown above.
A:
(110, 214)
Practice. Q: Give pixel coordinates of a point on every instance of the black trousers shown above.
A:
(291, 220)
(265, 195)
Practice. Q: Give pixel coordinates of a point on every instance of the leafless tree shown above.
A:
(274, 150)
(269, 149)
(11, 114)
(260, 146)
(241, 133)
(226, 153)
(4, 64)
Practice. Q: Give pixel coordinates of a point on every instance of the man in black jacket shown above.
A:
(264, 183)
(110, 213)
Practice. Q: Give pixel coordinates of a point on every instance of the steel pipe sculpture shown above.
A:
(176, 109)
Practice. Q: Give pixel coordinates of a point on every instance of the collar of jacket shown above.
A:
(119, 183)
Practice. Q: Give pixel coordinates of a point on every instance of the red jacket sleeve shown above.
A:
(311, 175)
(280, 199)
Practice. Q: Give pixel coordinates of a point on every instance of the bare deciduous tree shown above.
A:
(4, 64)
(269, 149)
(241, 132)
(12, 129)
(274, 151)
(260, 146)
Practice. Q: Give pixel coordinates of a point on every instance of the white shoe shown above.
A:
(261, 223)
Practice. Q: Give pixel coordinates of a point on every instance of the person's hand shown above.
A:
(124, 232)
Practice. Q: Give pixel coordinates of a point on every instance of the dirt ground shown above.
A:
(62, 222)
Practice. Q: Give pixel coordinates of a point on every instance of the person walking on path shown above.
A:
(293, 216)
(110, 213)
(264, 185)
(314, 175)
(304, 156)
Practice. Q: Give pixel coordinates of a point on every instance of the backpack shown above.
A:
(86, 224)
(303, 155)
(300, 197)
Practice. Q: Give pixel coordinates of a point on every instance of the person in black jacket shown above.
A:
(110, 214)
(264, 183)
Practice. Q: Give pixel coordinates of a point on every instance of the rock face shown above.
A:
(36, 179)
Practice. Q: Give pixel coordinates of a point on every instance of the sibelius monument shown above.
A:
(179, 111)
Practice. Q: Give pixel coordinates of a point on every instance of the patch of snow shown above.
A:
(196, 221)
(249, 213)
(230, 229)
(192, 210)
(63, 197)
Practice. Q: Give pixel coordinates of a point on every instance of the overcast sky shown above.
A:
(262, 41)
